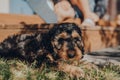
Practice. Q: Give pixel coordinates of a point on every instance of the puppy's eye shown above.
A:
(77, 38)
(57, 45)
(60, 40)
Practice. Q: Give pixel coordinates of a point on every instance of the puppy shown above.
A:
(61, 44)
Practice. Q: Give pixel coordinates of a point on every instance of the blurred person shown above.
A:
(55, 11)
(89, 16)
(64, 10)
(100, 8)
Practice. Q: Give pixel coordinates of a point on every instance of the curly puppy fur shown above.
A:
(62, 42)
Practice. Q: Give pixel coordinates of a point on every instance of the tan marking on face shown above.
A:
(62, 35)
(75, 34)
(78, 53)
(64, 55)
(55, 42)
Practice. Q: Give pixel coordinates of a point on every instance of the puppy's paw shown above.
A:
(73, 71)
(76, 72)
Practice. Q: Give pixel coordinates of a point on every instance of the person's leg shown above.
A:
(89, 17)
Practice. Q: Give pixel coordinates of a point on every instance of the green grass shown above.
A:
(17, 70)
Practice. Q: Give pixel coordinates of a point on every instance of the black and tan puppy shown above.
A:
(63, 42)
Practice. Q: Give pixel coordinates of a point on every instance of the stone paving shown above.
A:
(105, 55)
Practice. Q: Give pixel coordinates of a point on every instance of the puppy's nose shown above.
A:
(71, 54)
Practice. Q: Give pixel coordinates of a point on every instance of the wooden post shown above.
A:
(112, 9)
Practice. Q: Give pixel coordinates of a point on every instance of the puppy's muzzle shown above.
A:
(71, 53)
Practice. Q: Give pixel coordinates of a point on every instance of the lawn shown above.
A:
(17, 70)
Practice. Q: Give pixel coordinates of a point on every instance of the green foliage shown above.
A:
(111, 68)
(5, 73)
(42, 75)
(29, 76)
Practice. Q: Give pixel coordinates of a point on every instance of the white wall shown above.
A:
(4, 6)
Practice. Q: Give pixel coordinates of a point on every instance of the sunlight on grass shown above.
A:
(17, 70)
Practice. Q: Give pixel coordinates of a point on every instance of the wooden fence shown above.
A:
(95, 38)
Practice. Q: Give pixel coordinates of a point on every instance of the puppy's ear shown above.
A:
(54, 31)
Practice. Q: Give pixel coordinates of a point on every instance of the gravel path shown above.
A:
(105, 55)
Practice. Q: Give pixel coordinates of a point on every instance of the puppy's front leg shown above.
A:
(74, 71)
